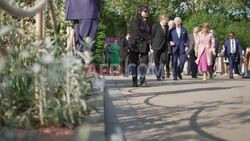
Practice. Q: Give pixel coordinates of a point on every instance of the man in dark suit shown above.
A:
(179, 41)
(193, 68)
(159, 45)
(232, 51)
(84, 14)
(125, 46)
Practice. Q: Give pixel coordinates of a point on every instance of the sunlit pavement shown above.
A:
(188, 109)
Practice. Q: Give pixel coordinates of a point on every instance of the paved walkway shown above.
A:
(186, 110)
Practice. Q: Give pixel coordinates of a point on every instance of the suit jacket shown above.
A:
(140, 36)
(125, 46)
(81, 9)
(180, 43)
(205, 43)
(228, 48)
(159, 37)
(191, 44)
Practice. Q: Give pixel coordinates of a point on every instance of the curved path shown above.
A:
(188, 110)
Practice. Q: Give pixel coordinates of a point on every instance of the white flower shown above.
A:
(36, 68)
(47, 59)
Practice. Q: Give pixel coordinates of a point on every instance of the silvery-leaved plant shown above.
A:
(88, 43)
(47, 59)
(48, 43)
(41, 87)
(25, 54)
(5, 30)
(36, 68)
(69, 61)
(86, 56)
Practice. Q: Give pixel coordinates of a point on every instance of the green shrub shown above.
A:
(221, 25)
(100, 41)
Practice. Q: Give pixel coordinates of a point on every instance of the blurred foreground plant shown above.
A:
(38, 87)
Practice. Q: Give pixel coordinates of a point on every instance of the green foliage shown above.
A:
(100, 40)
(221, 25)
(118, 13)
(115, 24)
(39, 89)
(39, 85)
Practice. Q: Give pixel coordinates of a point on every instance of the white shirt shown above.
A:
(232, 45)
(178, 30)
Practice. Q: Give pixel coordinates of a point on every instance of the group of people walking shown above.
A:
(170, 41)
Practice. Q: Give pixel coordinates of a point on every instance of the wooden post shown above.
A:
(40, 35)
(40, 25)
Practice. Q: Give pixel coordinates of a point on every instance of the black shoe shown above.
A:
(175, 78)
(143, 82)
(134, 79)
(135, 85)
(180, 76)
(211, 76)
(163, 77)
(168, 75)
(194, 76)
(158, 78)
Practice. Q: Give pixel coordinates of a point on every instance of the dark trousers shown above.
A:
(231, 64)
(211, 70)
(124, 56)
(160, 59)
(85, 28)
(178, 63)
(168, 59)
(136, 59)
(236, 65)
(193, 67)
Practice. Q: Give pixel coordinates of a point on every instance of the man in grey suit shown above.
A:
(84, 14)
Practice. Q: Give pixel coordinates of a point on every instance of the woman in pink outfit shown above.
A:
(204, 49)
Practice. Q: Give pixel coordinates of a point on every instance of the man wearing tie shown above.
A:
(232, 51)
(84, 14)
(179, 41)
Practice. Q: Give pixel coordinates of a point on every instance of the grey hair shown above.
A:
(177, 18)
